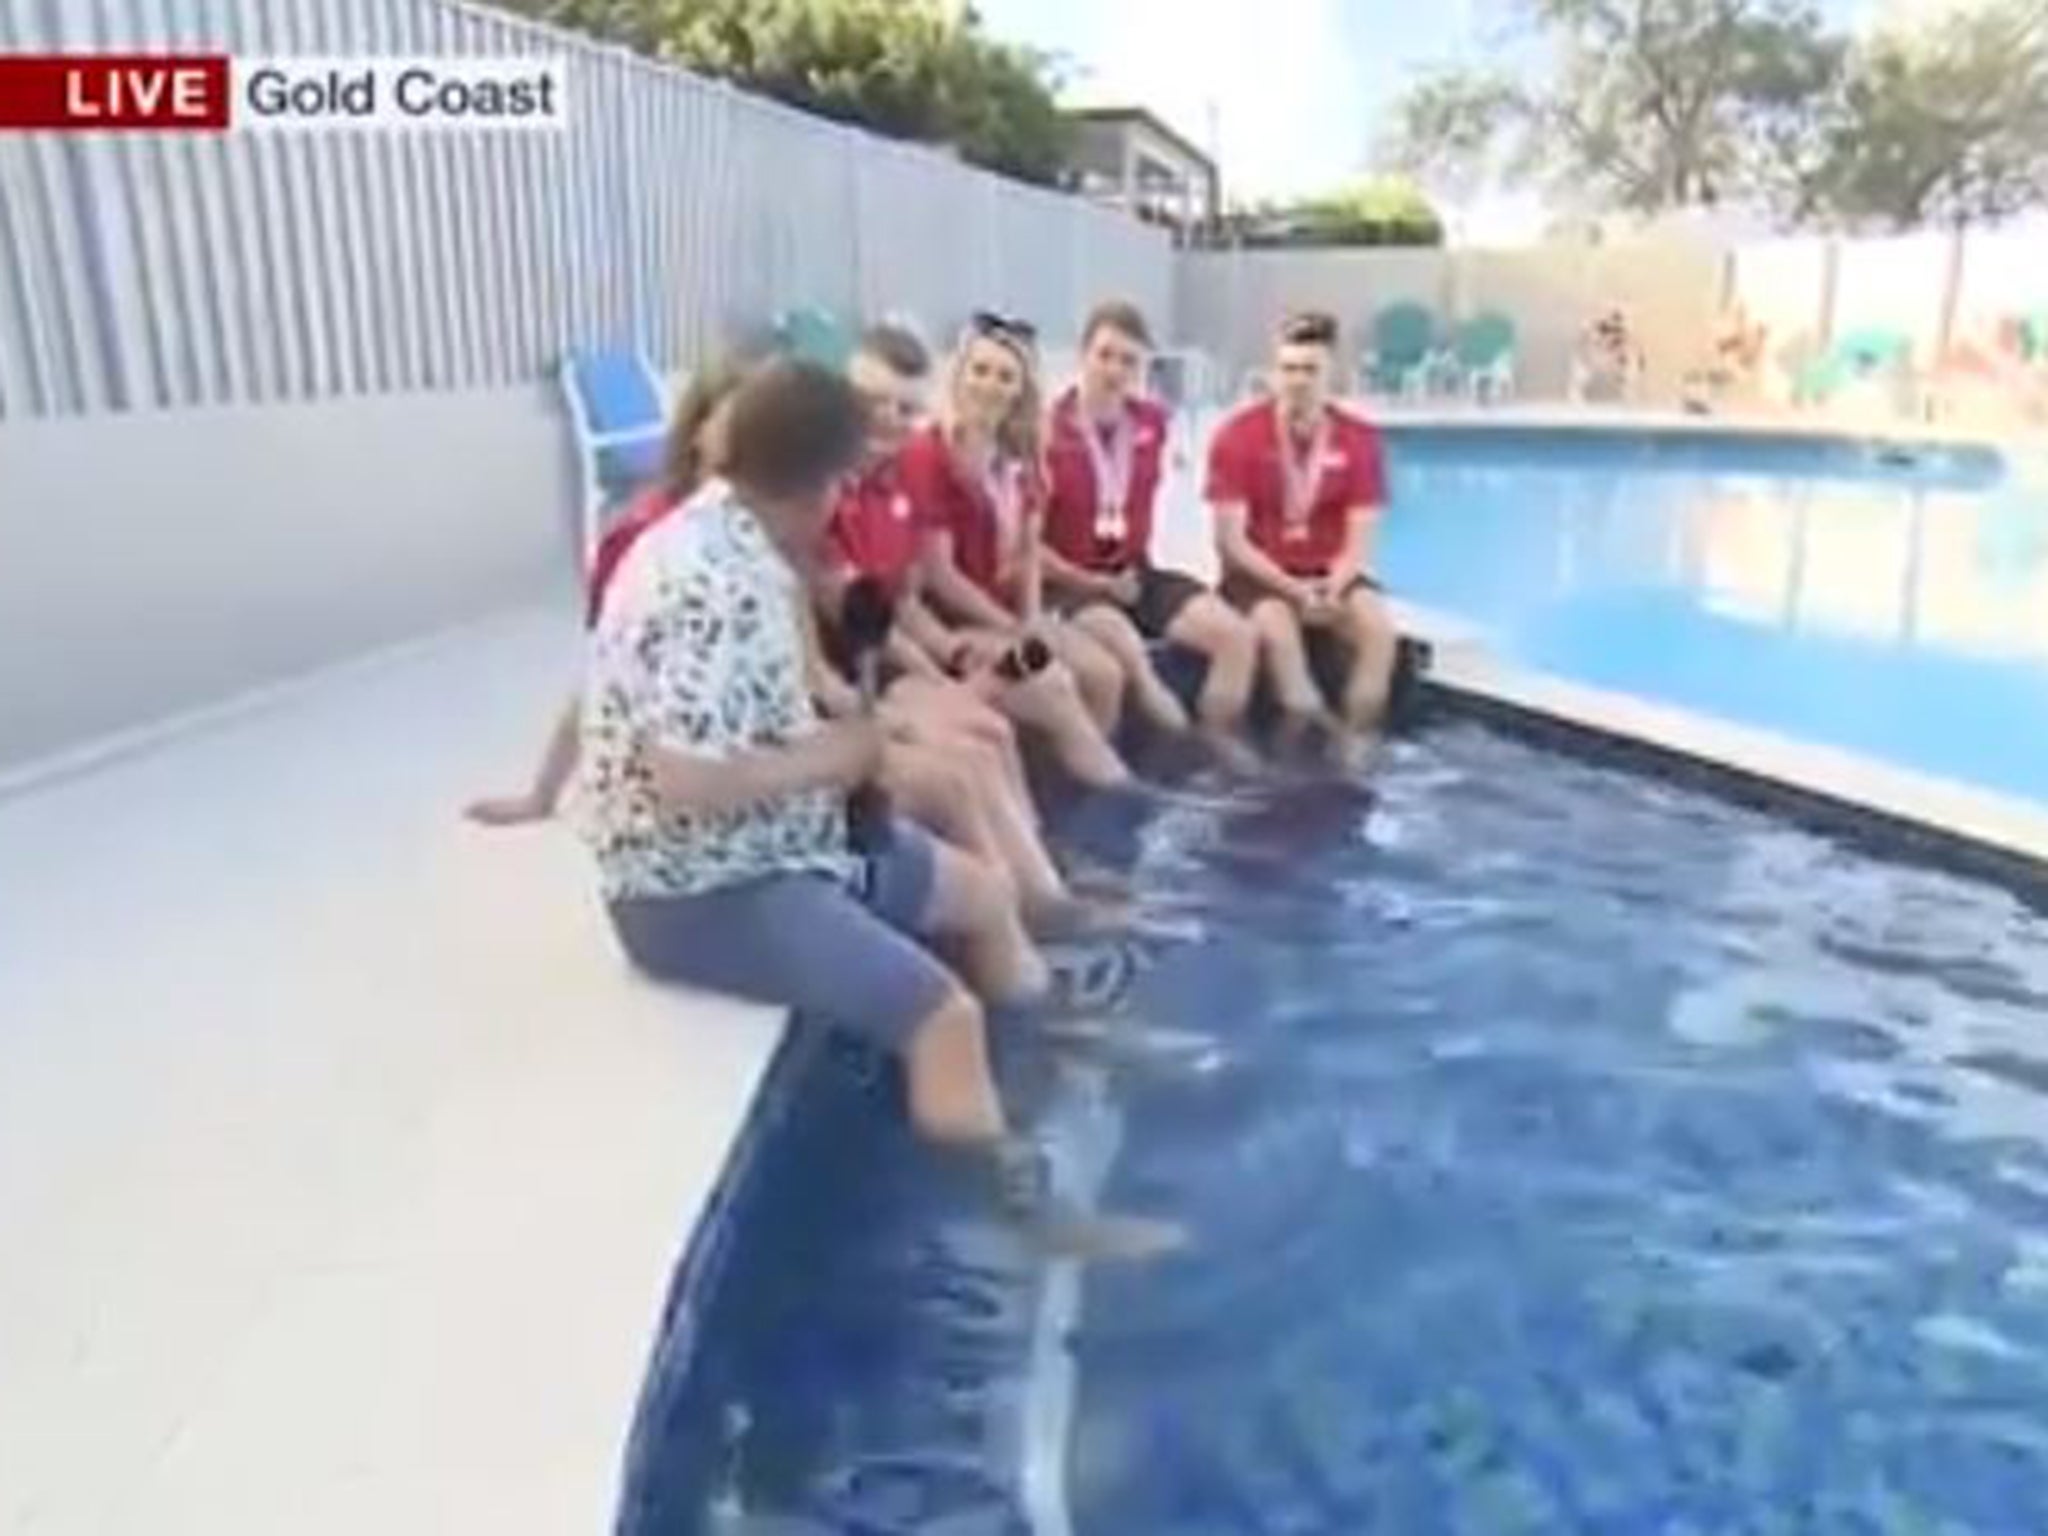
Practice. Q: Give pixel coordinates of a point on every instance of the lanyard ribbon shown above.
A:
(1303, 480)
(1113, 463)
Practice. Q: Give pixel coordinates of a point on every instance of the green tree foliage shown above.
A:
(1656, 104)
(1639, 104)
(912, 69)
(1379, 210)
(1945, 124)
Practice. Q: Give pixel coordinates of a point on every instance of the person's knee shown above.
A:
(979, 761)
(1099, 671)
(1231, 637)
(990, 729)
(1278, 630)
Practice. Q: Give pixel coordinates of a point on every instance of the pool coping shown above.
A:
(1793, 427)
(1913, 815)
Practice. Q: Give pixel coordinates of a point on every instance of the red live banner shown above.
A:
(115, 92)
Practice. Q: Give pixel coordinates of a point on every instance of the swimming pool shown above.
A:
(1590, 1156)
(1887, 600)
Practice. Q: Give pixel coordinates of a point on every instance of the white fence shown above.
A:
(1937, 290)
(155, 272)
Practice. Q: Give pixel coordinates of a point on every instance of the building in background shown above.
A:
(1130, 159)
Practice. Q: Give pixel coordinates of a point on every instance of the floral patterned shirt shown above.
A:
(699, 649)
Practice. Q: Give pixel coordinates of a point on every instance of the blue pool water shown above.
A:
(1591, 1156)
(1817, 588)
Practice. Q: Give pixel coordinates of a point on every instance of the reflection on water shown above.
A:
(1897, 610)
(1591, 1157)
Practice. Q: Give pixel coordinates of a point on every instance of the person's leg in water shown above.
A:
(1012, 827)
(1049, 703)
(935, 789)
(1284, 656)
(952, 784)
(807, 943)
(1097, 673)
(1229, 643)
(1368, 633)
(1112, 630)
(944, 708)
(971, 911)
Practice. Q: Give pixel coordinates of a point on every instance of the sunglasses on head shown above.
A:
(987, 322)
(1311, 330)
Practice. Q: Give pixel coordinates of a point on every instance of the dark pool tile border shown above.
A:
(675, 1357)
(1866, 828)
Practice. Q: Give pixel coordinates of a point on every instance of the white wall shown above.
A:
(1227, 302)
(153, 562)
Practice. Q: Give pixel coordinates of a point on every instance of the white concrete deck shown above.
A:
(342, 1164)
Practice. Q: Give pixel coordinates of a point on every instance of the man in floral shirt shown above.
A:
(716, 800)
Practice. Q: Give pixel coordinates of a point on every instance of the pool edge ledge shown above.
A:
(1995, 834)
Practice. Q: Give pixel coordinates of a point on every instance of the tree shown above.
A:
(1640, 104)
(1945, 124)
(912, 69)
(1379, 210)
(1654, 104)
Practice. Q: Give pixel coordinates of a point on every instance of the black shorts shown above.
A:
(1243, 594)
(1161, 597)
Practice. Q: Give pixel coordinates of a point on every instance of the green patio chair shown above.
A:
(815, 335)
(1404, 351)
(2034, 336)
(1483, 355)
(1853, 357)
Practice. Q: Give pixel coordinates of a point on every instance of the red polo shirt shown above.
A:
(641, 514)
(948, 500)
(1072, 497)
(874, 529)
(1245, 466)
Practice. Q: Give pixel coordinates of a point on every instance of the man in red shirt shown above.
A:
(1105, 447)
(1296, 484)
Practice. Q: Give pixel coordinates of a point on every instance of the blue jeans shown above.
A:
(844, 958)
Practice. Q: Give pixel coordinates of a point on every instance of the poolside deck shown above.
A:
(342, 1165)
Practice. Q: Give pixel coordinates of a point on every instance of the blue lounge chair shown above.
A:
(617, 412)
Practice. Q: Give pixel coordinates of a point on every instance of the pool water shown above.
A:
(1823, 589)
(1590, 1156)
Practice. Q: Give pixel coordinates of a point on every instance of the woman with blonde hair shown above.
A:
(976, 483)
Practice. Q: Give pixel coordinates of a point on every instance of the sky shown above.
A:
(1289, 94)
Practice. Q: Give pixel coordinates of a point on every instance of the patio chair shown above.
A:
(617, 412)
(1853, 358)
(815, 335)
(2034, 336)
(1404, 352)
(1483, 354)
